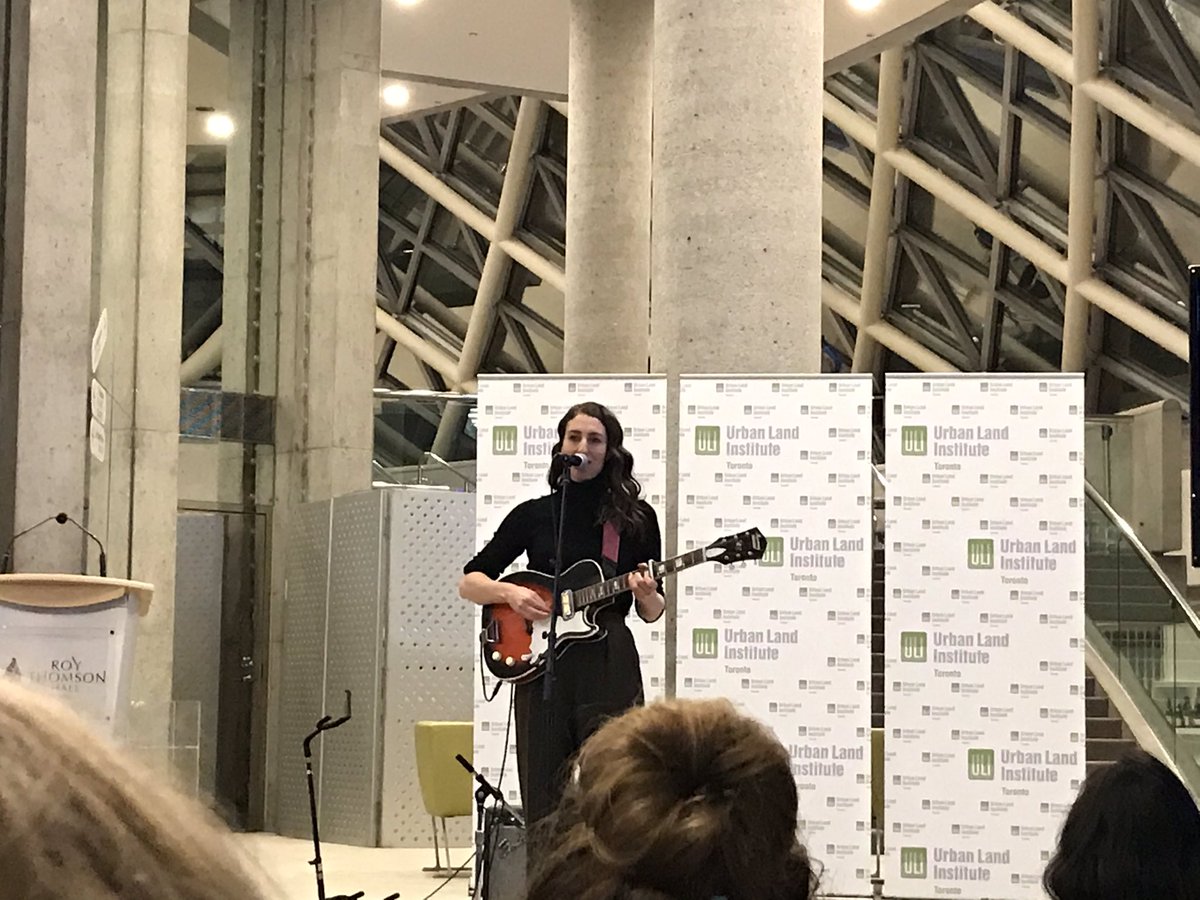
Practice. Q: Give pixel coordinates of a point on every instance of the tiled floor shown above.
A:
(282, 864)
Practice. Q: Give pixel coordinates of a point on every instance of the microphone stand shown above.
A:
(483, 852)
(62, 519)
(564, 479)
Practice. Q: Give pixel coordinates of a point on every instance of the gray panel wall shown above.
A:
(430, 648)
(199, 567)
(302, 669)
(354, 661)
(371, 605)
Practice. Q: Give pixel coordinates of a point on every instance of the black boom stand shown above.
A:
(325, 723)
(507, 816)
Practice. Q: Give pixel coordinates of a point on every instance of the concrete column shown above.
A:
(134, 493)
(320, 242)
(327, 256)
(736, 261)
(45, 301)
(607, 311)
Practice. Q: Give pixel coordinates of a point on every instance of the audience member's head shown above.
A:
(680, 800)
(79, 820)
(1132, 834)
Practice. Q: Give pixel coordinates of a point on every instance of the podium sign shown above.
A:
(73, 636)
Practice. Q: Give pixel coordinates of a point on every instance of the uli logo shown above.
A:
(704, 643)
(913, 862)
(708, 440)
(773, 555)
(504, 440)
(914, 440)
(981, 765)
(914, 646)
(981, 553)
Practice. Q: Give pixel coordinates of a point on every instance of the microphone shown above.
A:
(571, 460)
(62, 519)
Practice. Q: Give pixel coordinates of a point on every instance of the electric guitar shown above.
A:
(514, 649)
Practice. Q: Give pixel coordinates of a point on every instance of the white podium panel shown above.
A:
(73, 635)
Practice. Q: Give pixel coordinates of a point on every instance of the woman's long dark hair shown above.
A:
(679, 800)
(1133, 833)
(620, 505)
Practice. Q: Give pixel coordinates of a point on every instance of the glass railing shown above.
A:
(424, 438)
(1143, 633)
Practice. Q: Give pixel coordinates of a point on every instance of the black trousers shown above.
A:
(592, 683)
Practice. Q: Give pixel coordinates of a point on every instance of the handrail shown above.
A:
(445, 465)
(1147, 557)
(449, 396)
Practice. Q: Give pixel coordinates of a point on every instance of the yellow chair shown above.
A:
(445, 785)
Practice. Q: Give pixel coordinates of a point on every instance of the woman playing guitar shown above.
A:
(605, 518)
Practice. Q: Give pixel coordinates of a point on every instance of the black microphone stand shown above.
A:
(483, 852)
(564, 479)
(62, 519)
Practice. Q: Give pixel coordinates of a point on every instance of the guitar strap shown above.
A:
(611, 549)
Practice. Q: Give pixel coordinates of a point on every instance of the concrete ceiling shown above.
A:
(520, 46)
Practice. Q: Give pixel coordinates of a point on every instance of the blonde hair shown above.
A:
(79, 820)
(677, 800)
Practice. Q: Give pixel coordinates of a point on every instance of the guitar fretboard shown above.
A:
(596, 593)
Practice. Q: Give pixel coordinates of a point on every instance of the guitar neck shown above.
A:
(605, 590)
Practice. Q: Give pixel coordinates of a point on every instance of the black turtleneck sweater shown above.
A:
(529, 529)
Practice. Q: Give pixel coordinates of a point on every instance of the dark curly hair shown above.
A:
(620, 505)
(1133, 833)
(679, 800)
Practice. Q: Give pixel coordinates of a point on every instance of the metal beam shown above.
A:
(205, 246)
(1081, 213)
(1168, 336)
(879, 212)
(944, 298)
(498, 264)
(883, 333)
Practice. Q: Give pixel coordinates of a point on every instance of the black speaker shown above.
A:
(502, 856)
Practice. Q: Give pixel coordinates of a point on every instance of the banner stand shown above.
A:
(73, 635)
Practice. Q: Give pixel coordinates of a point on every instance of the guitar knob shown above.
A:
(526, 657)
(495, 655)
(509, 661)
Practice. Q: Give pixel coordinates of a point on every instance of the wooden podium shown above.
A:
(73, 635)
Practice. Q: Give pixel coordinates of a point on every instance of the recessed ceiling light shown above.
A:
(863, 5)
(219, 125)
(407, 2)
(396, 96)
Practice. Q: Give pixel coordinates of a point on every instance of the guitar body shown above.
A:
(514, 649)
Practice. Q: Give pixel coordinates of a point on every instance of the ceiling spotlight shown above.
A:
(863, 5)
(396, 96)
(219, 125)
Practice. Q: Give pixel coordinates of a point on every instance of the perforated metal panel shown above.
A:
(430, 648)
(199, 564)
(350, 763)
(302, 671)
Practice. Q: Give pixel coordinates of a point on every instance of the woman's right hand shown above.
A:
(526, 603)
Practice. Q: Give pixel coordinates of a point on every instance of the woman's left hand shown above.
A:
(643, 586)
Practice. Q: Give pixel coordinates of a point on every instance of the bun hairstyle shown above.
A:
(679, 800)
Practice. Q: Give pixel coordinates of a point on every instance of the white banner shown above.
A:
(787, 638)
(985, 630)
(516, 423)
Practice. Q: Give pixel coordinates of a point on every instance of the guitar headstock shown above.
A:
(738, 547)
